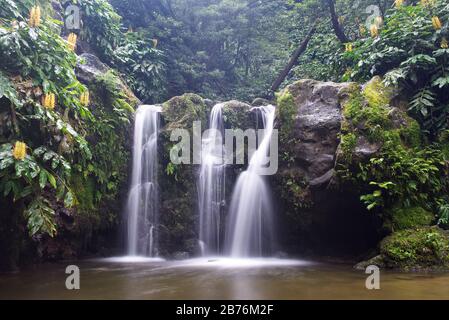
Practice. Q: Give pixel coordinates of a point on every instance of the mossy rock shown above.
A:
(237, 115)
(411, 217)
(180, 112)
(286, 113)
(422, 248)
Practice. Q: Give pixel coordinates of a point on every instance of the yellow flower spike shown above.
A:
(38, 16)
(362, 30)
(53, 100)
(35, 17)
(444, 44)
(49, 101)
(379, 21)
(84, 99)
(398, 3)
(71, 39)
(31, 18)
(348, 47)
(341, 19)
(19, 152)
(45, 101)
(374, 31)
(436, 23)
(427, 3)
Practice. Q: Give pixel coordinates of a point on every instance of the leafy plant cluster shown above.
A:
(67, 145)
(133, 54)
(411, 53)
(45, 65)
(403, 172)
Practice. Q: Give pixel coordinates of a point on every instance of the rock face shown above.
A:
(89, 67)
(317, 215)
(87, 228)
(314, 213)
(317, 127)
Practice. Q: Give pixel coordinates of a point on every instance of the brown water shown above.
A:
(203, 279)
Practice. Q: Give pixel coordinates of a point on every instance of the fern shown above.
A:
(423, 102)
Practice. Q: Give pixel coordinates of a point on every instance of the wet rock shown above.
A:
(377, 261)
(365, 149)
(237, 115)
(323, 180)
(320, 215)
(89, 67)
(261, 102)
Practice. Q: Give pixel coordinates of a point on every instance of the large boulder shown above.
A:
(321, 125)
(316, 125)
(330, 133)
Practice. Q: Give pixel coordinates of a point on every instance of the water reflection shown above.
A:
(218, 279)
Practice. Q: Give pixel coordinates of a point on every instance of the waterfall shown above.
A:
(211, 183)
(249, 228)
(142, 207)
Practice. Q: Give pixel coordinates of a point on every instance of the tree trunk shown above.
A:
(335, 24)
(300, 50)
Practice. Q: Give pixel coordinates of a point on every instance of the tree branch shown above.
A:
(300, 50)
(335, 24)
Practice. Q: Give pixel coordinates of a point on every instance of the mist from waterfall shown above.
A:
(211, 183)
(250, 225)
(143, 201)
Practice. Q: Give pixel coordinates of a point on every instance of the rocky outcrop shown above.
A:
(330, 133)
(317, 126)
(320, 215)
(90, 67)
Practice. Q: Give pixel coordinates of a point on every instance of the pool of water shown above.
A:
(217, 278)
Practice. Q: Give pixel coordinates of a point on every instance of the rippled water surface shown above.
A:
(137, 278)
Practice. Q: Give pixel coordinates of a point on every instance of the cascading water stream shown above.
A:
(249, 229)
(142, 207)
(211, 183)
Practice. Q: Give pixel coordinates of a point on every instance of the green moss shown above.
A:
(443, 142)
(110, 89)
(372, 122)
(348, 144)
(181, 111)
(411, 134)
(367, 111)
(376, 93)
(236, 115)
(420, 248)
(295, 188)
(411, 217)
(391, 139)
(286, 111)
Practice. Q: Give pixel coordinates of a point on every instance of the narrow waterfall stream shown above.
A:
(249, 228)
(211, 184)
(142, 207)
